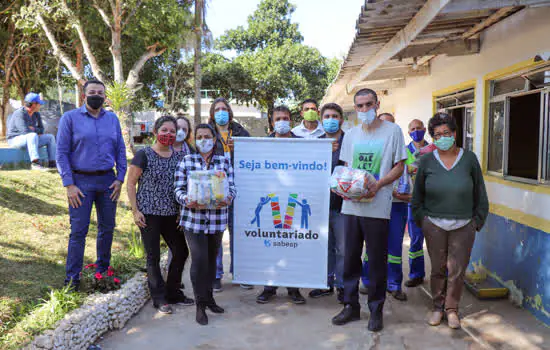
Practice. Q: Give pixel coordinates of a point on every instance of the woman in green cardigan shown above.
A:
(450, 204)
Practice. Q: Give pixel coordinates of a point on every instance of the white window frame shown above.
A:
(544, 132)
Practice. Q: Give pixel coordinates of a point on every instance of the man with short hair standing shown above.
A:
(311, 126)
(281, 124)
(378, 147)
(25, 130)
(90, 145)
(417, 130)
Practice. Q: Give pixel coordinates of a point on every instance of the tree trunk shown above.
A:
(270, 117)
(4, 103)
(199, 7)
(116, 48)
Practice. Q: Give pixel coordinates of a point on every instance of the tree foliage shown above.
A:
(272, 62)
(269, 25)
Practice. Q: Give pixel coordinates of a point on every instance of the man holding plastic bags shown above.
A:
(377, 147)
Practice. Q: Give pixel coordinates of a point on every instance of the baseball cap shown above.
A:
(34, 98)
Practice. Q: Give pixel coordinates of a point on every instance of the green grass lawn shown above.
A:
(34, 231)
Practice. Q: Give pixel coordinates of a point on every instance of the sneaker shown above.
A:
(398, 295)
(340, 295)
(296, 297)
(317, 293)
(247, 286)
(363, 289)
(453, 321)
(376, 322)
(435, 318)
(217, 285)
(265, 297)
(164, 309)
(414, 282)
(37, 166)
(181, 299)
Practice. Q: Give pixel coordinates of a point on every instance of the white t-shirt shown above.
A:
(304, 132)
(376, 152)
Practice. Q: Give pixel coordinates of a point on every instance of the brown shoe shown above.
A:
(435, 318)
(452, 320)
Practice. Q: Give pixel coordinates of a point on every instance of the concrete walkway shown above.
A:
(282, 325)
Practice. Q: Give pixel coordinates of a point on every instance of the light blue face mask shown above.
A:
(444, 143)
(221, 117)
(282, 127)
(331, 125)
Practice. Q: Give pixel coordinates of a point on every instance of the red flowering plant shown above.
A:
(94, 281)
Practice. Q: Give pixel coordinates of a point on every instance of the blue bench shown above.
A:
(13, 158)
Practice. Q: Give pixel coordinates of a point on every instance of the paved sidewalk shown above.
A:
(282, 325)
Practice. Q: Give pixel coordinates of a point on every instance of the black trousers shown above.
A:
(204, 249)
(167, 227)
(375, 233)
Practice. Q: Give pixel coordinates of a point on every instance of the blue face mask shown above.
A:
(282, 127)
(221, 117)
(418, 135)
(331, 125)
(444, 143)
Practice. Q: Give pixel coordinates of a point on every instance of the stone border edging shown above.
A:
(98, 314)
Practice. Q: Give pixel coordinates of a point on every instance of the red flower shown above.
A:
(116, 280)
(110, 273)
(90, 266)
(98, 275)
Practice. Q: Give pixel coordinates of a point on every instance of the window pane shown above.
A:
(508, 85)
(524, 136)
(469, 129)
(496, 136)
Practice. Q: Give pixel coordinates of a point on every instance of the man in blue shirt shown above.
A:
(25, 130)
(89, 145)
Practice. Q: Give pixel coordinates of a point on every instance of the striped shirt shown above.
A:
(206, 221)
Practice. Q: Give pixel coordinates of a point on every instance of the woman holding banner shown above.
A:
(221, 119)
(203, 227)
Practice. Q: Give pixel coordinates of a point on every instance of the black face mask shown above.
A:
(95, 101)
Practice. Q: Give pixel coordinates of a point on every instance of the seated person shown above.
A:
(25, 130)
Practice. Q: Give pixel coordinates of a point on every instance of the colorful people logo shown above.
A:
(289, 214)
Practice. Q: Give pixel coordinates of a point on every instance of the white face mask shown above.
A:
(180, 135)
(282, 127)
(367, 117)
(205, 145)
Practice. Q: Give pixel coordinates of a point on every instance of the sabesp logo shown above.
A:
(267, 243)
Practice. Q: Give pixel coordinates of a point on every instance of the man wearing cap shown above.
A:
(25, 130)
(90, 148)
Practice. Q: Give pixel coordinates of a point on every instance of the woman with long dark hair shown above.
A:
(155, 213)
(222, 120)
(203, 227)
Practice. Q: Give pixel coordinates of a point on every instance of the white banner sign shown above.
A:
(281, 211)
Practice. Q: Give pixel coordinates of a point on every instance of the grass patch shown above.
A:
(34, 232)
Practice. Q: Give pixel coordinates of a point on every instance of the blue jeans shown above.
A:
(96, 190)
(219, 257)
(32, 142)
(336, 246)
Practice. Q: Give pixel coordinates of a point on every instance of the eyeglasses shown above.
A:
(368, 105)
(446, 134)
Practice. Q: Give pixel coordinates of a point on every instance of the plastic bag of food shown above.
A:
(351, 183)
(207, 187)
